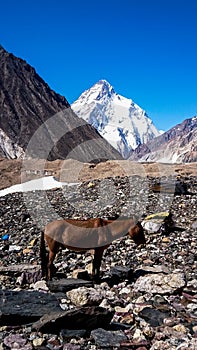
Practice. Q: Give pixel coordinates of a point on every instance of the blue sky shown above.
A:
(146, 49)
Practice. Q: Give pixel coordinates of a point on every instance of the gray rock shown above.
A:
(16, 341)
(153, 317)
(105, 338)
(120, 273)
(160, 283)
(66, 284)
(29, 277)
(152, 269)
(151, 226)
(84, 317)
(194, 225)
(84, 296)
(19, 268)
(70, 346)
(38, 341)
(20, 307)
(40, 285)
(66, 334)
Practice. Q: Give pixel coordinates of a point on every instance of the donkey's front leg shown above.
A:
(98, 254)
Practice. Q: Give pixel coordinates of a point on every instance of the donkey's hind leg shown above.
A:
(51, 269)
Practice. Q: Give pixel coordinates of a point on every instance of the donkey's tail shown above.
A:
(43, 255)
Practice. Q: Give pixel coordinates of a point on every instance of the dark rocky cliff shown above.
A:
(27, 103)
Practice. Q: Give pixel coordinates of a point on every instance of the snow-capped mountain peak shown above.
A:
(118, 119)
(101, 90)
(105, 89)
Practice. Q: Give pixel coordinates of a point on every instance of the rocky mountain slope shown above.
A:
(118, 119)
(177, 145)
(27, 103)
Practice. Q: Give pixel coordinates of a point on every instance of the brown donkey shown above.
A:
(82, 235)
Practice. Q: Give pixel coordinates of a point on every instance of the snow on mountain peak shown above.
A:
(105, 87)
(118, 119)
(102, 89)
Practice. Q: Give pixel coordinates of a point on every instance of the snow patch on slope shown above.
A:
(41, 184)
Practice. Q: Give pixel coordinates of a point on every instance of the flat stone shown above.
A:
(19, 268)
(85, 317)
(152, 316)
(108, 338)
(67, 334)
(20, 307)
(66, 284)
(135, 345)
(70, 346)
(152, 269)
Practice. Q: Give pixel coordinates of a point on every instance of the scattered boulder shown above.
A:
(84, 296)
(16, 341)
(105, 338)
(120, 273)
(153, 317)
(85, 317)
(21, 307)
(160, 283)
(66, 284)
(67, 334)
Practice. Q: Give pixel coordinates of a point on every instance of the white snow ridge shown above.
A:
(118, 119)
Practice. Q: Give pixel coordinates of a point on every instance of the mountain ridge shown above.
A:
(178, 144)
(27, 104)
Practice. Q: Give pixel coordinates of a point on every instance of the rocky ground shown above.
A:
(147, 296)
